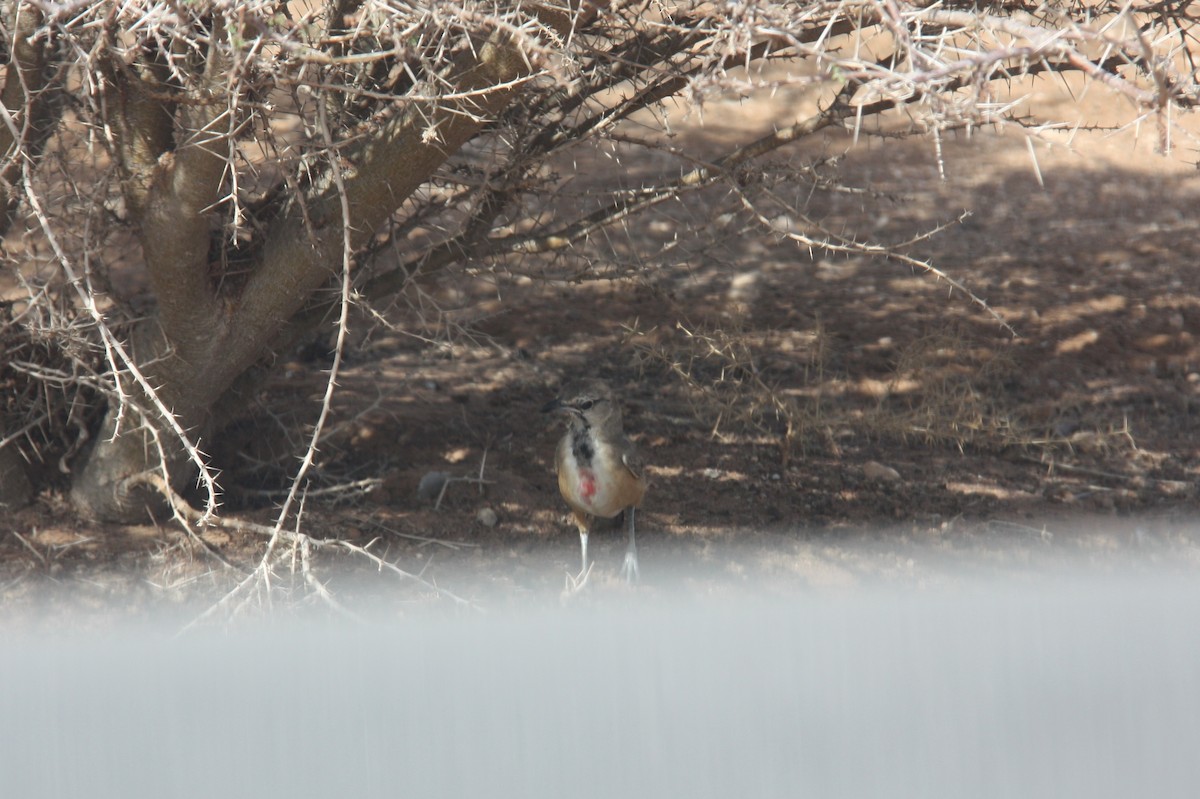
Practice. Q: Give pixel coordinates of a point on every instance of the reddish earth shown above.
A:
(927, 442)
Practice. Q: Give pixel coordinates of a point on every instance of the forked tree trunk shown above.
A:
(200, 344)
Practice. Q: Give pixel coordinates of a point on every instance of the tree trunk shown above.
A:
(103, 488)
(107, 484)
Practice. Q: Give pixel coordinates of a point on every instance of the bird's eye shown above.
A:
(586, 404)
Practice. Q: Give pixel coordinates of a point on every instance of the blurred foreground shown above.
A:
(1069, 685)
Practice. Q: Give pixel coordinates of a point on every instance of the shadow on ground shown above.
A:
(801, 397)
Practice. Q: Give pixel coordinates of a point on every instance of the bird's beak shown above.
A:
(553, 406)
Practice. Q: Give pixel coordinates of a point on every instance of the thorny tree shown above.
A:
(266, 164)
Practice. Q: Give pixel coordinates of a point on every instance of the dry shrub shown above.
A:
(49, 383)
(945, 390)
(960, 397)
(738, 385)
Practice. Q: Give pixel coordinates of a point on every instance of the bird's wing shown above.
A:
(633, 460)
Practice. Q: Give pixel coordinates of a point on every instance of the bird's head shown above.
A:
(587, 401)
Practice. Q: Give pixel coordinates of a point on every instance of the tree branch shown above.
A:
(697, 178)
(175, 223)
(301, 253)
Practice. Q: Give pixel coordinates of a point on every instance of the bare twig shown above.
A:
(479, 481)
(25, 543)
(394, 569)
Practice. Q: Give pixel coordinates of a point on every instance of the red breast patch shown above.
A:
(587, 484)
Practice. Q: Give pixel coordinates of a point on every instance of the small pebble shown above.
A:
(487, 517)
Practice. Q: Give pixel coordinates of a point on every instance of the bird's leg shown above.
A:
(576, 583)
(629, 570)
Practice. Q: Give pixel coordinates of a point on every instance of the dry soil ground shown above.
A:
(928, 444)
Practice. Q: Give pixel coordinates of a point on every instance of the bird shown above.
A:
(600, 473)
